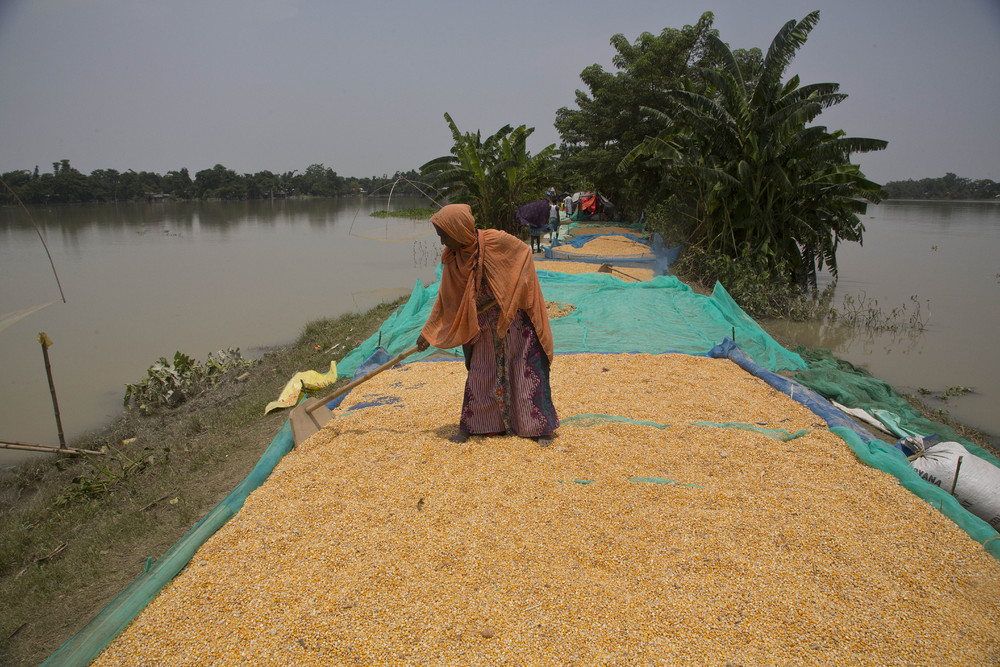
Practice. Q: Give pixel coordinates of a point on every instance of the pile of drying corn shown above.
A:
(378, 541)
(608, 246)
(629, 274)
(583, 230)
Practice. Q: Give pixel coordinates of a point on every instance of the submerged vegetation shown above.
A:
(863, 312)
(409, 213)
(758, 286)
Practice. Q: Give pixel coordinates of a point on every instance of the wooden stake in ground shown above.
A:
(45, 341)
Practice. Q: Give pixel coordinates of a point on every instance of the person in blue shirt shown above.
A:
(553, 218)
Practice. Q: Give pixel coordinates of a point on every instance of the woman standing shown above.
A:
(490, 303)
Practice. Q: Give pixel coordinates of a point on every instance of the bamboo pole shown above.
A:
(45, 341)
(31, 447)
(954, 483)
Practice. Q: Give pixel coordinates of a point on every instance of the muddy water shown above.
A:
(933, 262)
(143, 281)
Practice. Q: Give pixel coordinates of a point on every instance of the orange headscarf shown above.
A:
(504, 261)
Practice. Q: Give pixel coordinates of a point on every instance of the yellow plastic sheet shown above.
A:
(302, 382)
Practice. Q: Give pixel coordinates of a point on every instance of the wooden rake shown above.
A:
(311, 414)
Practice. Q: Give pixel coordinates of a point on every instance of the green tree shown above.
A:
(130, 186)
(262, 185)
(104, 184)
(610, 120)
(17, 185)
(178, 183)
(493, 175)
(319, 181)
(765, 182)
(219, 183)
(286, 183)
(67, 185)
(151, 183)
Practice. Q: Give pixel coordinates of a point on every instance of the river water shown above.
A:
(142, 281)
(939, 261)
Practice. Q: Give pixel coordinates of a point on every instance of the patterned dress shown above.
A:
(507, 390)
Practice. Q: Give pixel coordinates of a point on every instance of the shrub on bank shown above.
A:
(761, 288)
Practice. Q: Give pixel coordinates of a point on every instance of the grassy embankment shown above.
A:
(75, 532)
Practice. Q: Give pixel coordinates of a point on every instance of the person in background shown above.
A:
(490, 302)
(535, 236)
(553, 219)
(568, 205)
(535, 216)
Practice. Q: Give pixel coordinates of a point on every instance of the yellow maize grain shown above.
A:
(610, 246)
(378, 541)
(627, 273)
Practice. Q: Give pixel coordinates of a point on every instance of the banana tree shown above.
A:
(493, 175)
(768, 182)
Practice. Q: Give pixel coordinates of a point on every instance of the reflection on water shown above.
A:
(146, 280)
(847, 341)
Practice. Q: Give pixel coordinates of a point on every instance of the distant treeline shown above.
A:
(949, 186)
(64, 184)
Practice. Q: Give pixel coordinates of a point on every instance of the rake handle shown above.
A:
(351, 385)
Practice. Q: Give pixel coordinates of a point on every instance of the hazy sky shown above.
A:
(362, 86)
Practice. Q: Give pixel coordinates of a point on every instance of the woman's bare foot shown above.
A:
(543, 440)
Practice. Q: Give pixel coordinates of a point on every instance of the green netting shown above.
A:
(588, 420)
(611, 316)
(646, 480)
(776, 433)
(662, 480)
(855, 387)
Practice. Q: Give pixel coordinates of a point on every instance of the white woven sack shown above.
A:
(978, 488)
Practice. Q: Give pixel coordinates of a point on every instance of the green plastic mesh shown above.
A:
(776, 433)
(589, 420)
(855, 387)
(611, 316)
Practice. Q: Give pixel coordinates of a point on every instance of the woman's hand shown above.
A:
(422, 343)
